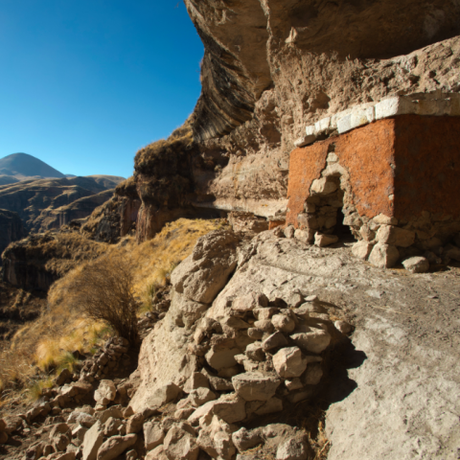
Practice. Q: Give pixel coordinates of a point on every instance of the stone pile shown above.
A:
(107, 361)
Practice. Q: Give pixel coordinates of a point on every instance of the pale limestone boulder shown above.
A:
(283, 323)
(180, 443)
(384, 255)
(153, 435)
(198, 279)
(93, 439)
(322, 240)
(315, 341)
(416, 264)
(255, 386)
(230, 408)
(289, 362)
(201, 396)
(395, 236)
(105, 393)
(216, 439)
(362, 249)
(115, 446)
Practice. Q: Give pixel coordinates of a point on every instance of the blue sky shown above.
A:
(86, 83)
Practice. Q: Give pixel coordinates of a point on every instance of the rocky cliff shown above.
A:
(11, 228)
(272, 68)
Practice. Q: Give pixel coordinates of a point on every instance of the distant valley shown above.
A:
(40, 198)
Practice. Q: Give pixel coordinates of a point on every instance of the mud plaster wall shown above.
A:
(427, 175)
(399, 167)
(366, 153)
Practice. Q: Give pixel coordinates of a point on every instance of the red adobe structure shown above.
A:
(396, 180)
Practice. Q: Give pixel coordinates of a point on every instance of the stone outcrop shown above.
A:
(11, 228)
(279, 77)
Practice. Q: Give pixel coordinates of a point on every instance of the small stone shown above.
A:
(153, 435)
(255, 386)
(292, 449)
(92, 441)
(264, 325)
(289, 231)
(265, 313)
(295, 384)
(315, 341)
(322, 240)
(255, 333)
(283, 323)
(343, 327)
(3, 437)
(416, 265)
(200, 396)
(196, 380)
(362, 249)
(289, 362)
(105, 393)
(115, 446)
(395, 236)
(135, 423)
(303, 235)
(313, 374)
(384, 256)
(274, 341)
(255, 351)
(244, 439)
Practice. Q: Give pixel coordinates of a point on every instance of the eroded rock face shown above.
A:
(11, 228)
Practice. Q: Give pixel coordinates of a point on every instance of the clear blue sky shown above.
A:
(85, 83)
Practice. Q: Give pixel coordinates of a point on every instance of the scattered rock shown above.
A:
(289, 362)
(255, 386)
(323, 240)
(384, 256)
(416, 264)
(105, 393)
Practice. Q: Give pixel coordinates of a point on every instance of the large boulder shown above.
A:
(205, 272)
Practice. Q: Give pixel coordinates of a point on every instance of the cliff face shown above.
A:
(11, 229)
(273, 67)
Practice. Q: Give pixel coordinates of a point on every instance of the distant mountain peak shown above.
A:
(22, 165)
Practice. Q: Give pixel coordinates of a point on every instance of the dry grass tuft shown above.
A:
(47, 342)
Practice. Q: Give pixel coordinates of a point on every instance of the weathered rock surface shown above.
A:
(11, 228)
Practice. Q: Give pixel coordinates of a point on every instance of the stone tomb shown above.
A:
(396, 180)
